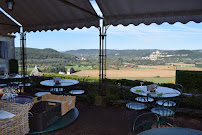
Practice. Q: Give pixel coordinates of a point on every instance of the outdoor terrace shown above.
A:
(113, 117)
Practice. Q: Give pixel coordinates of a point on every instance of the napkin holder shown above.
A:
(57, 80)
(152, 87)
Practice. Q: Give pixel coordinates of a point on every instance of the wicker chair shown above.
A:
(17, 125)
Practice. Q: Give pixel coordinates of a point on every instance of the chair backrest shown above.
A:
(148, 121)
(178, 87)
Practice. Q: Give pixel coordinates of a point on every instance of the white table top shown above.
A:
(166, 92)
(63, 83)
(171, 131)
(17, 76)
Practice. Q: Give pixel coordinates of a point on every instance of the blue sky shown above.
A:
(165, 36)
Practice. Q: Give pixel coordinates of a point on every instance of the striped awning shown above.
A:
(135, 12)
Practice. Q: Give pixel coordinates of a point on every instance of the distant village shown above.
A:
(158, 54)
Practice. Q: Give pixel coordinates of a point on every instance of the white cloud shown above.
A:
(154, 32)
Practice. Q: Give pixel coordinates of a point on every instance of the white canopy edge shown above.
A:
(135, 12)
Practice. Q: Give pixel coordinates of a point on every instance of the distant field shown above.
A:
(157, 74)
(79, 68)
(130, 73)
(155, 79)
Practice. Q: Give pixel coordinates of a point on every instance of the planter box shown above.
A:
(67, 102)
(43, 114)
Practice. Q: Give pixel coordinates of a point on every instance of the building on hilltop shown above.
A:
(156, 55)
(36, 72)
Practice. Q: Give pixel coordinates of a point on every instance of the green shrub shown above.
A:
(191, 102)
(169, 85)
(190, 80)
(113, 93)
(91, 93)
(13, 66)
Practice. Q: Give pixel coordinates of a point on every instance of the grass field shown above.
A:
(77, 68)
(157, 74)
(155, 79)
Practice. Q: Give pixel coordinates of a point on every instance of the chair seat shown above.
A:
(56, 89)
(144, 99)
(163, 111)
(136, 106)
(166, 103)
(16, 83)
(26, 84)
(76, 92)
(38, 94)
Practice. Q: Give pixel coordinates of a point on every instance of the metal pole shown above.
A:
(23, 69)
(102, 55)
(102, 58)
(100, 48)
(23, 52)
(105, 52)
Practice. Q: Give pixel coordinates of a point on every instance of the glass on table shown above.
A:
(141, 83)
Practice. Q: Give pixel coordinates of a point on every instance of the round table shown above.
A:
(163, 92)
(63, 83)
(22, 99)
(13, 77)
(171, 131)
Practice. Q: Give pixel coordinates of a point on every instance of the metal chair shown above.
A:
(178, 87)
(14, 85)
(129, 99)
(81, 89)
(166, 107)
(148, 121)
(144, 99)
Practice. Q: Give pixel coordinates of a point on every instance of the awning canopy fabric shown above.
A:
(7, 25)
(135, 12)
(38, 15)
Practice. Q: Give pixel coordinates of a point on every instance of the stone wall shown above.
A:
(11, 50)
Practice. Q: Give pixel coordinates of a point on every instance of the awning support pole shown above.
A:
(102, 58)
(23, 55)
